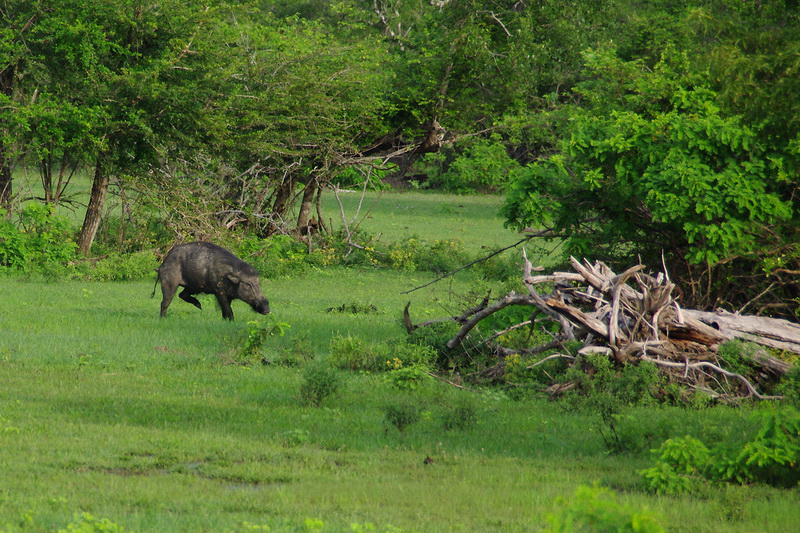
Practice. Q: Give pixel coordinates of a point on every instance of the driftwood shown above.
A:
(632, 317)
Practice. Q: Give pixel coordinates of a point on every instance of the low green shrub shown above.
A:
(403, 413)
(349, 352)
(320, 381)
(597, 510)
(681, 466)
(789, 387)
(409, 377)
(257, 335)
(460, 414)
(87, 523)
(297, 351)
(134, 266)
(772, 456)
(275, 257)
(293, 438)
(737, 355)
(685, 464)
(606, 392)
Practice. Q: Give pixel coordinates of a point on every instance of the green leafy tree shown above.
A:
(650, 165)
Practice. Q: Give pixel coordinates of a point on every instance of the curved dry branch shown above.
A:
(715, 368)
(511, 299)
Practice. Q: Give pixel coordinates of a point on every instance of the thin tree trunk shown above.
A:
(94, 210)
(7, 89)
(281, 205)
(5, 178)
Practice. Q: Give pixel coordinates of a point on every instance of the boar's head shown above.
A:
(248, 289)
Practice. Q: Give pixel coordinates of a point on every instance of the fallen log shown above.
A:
(772, 332)
(631, 317)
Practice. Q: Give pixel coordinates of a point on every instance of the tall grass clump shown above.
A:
(320, 382)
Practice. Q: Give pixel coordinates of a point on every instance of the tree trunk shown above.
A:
(7, 89)
(306, 204)
(94, 210)
(281, 205)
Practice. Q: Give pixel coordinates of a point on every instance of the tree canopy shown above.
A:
(663, 130)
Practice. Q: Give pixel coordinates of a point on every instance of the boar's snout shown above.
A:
(262, 307)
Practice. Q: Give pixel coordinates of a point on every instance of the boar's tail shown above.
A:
(158, 278)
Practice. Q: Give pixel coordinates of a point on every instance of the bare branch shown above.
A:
(704, 364)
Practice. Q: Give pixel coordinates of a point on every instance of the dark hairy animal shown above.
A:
(202, 267)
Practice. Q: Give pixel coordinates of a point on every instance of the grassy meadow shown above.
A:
(108, 412)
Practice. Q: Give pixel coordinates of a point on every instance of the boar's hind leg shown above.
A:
(186, 296)
(167, 293)
(225, 305)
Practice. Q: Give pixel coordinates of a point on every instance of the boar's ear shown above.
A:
(233, 278)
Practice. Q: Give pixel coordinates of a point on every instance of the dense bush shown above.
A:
(132, 266)
(478, 165)
(686, 464)
(38, 241)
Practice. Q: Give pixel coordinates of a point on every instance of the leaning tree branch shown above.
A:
(482, 259)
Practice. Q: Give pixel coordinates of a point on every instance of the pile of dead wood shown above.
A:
(634, 316)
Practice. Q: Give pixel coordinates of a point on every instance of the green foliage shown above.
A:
(415, 255)
(700, 178)
(118, 267)
(483, 165)
(408, 377)
(772, 456)
(460, 414)
(39, 241)
(350, 352)
(297, 351)
(736, 355)
(686, 464)
(597, 510)
(320, 381)
(294, 438)
(789, 387)
(87, 523)
(257, 335)
(680, 466)
(279, 255)
(434, 338)
(607, 393)
(403, 413)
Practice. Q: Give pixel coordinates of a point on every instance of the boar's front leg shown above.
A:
(225, 305)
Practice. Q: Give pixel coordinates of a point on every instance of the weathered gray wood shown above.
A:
(772, 332)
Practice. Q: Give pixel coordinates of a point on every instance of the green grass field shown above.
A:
(107, 409)
(430, 216)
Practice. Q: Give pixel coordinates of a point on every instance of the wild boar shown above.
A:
(202, 267)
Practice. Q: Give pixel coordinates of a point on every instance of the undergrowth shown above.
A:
(686, 464)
